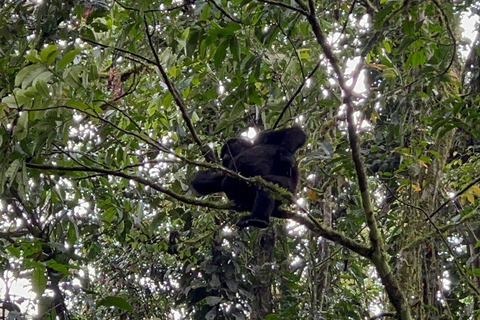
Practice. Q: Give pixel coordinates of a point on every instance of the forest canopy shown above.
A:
(108, 109)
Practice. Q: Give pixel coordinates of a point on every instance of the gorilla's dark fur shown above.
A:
(271, 156)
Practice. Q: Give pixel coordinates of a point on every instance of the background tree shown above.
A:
(109, 108)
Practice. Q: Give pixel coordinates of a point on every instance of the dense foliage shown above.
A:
(108, 108)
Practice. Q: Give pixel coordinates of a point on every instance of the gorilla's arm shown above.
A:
(207, 182)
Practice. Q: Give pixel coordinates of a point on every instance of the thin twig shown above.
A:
(444, 19)
(297, 92)
(455, 196)
(348, 15)
(225, 13)
(284, 5)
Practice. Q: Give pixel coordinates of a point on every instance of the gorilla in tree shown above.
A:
(271, 156)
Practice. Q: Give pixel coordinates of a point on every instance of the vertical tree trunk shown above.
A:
(263, 251)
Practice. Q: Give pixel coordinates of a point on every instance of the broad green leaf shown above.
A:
(117, 302)
(167, 100)
(206, 13)
(39, 280)
(213, 300)
(109, 214)
(31, 72)
(235, 48)
(33, 56)
(14, 251)
(417, 59)
(238, 110)
(382, 15)
(58, 267)
(387, 46)
(21, 128)
(185, 35)
(67, 58)
(77, 104)
(49, 54)
(221, 53)
(409, 27)
(42, 88)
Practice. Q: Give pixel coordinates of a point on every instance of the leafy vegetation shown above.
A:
(108, 108)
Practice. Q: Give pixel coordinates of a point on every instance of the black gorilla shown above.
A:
(271, 156)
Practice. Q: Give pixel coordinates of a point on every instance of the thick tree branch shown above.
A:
(334, 236)
(130, 177)
(315, 227)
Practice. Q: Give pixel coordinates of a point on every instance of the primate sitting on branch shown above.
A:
(271, 156)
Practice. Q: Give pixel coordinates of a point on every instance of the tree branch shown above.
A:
(297, 92)
(313, 226)
(173, 90)
(130, 177)
(225, 13)
(378, 258)
(284, 5)
(455, 196)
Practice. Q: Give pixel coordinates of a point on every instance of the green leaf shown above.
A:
(417, 59)
(237, 111)
(44, 76)
(31, 71)
(212, 300)
(13, 169)
(167, 100)
(42, 88)
(21, 128)
(387, 46)
(12, 102)
(382, 15)
(14, 251)
(49, 54)
(58, 267)
(39, 280)
(67, 58)
(72, 233)
(118, 302)
(477, 272)
(109, 214)
(205, 13)
(409, 27)
(235, 48)
(77, 104)
(221, 53)
(185, 35)
(33, 56)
